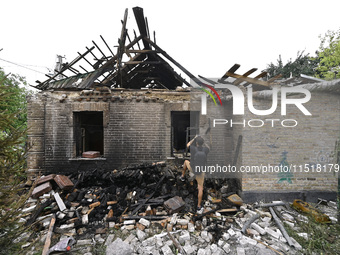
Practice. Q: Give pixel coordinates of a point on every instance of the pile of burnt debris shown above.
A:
(153, 211)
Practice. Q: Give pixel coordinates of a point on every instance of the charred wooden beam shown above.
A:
(37, 212)
(208, 80)
(147, 27)
(107, 46)
(139, 16)
(83, 69)
(143, 62)
(143, 51)
(231, 70)
(149, 217)
(99, 49)
(45, 83)
(146, 200)
(135, 38)
(191, 76)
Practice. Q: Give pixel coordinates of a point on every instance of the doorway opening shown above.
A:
(184, 127)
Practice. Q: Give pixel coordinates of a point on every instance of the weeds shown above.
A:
(322, 238)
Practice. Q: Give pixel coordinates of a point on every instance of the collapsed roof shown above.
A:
(138, 63)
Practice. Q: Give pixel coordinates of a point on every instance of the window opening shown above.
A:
(89, 132)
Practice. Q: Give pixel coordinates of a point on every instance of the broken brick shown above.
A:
(41, 189)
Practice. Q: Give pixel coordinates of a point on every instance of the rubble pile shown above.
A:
(146, 209)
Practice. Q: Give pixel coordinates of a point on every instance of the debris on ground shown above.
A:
(146, 208)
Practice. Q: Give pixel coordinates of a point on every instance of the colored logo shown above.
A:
(209, 93)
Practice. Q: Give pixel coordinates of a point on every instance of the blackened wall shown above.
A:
(137, 128)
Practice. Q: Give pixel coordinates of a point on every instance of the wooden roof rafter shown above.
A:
(245, 80)
(132, 66)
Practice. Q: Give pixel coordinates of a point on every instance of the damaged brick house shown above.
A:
(131, 107)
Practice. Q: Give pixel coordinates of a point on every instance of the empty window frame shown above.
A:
(88, 132)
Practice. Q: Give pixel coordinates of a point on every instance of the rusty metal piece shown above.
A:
(45, 179)
(303, 206)
(91, 154)
(41, 189)
(174, 204)
(235, 199)
(63, 182)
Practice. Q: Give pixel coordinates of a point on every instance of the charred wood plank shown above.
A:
(99, 49)
(135, 38)
(45, 83)
(208, 80)
(38, 212)
(146, 200)
(107, 45)
(139, 16)
(191, 76)
(149, 217)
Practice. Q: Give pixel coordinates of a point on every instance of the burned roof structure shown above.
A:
(137, 62)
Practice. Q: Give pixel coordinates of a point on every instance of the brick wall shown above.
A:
(311, 142)
(137, 128)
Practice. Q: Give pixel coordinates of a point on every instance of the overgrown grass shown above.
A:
(322, 238)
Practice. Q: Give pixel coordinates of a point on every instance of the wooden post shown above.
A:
(48, 237)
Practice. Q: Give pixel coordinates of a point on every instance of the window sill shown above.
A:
(87, 159)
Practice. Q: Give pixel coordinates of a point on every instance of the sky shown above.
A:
(206, 37)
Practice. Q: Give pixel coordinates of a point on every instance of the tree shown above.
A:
(329, 56)
(303, 64)
(12, 156)
(14, 87)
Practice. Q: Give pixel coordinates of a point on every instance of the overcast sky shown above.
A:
(206, 37)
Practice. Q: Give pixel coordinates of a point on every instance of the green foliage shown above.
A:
(329, 56)
(322, 238)
(303, 64)
(12, 156)
(15, 102)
